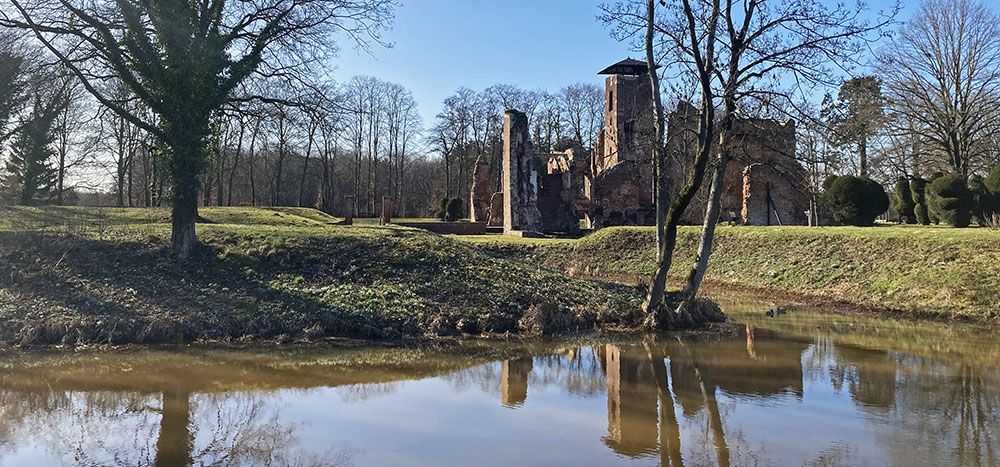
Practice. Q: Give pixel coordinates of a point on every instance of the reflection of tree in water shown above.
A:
(946, 413)
(662, 395)
(365, 392)
(641, 404)
(483, 377)
(177, 429)
(936, 412)
(244, 429)
(80, 427)
(576, 370)
(869, 375)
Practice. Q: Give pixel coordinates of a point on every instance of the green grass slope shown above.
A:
(68, 218)
(272, 274)
(923, 270)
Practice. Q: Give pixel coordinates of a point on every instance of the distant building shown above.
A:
(764, 184)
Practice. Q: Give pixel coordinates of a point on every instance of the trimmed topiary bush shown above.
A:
(951, 200)
(988, 198)
(918, 188)
(992, 180)
(442, 212)
(451, 209)
(931, 213)
(855, 201)
(454, 210)
(982, 199)
(903, 201)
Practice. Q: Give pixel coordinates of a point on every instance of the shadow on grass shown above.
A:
(76, 290)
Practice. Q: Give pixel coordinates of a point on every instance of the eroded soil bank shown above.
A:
(284, 284)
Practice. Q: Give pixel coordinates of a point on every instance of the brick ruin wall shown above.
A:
(520, 176)
(763, 185)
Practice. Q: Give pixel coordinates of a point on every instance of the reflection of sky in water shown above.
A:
(772, 401)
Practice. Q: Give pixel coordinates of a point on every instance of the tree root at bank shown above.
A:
(700, 313)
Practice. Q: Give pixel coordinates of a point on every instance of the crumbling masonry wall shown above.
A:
(764, 184)
(520, 176)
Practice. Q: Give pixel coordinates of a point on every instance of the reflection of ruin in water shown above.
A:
(680, 402)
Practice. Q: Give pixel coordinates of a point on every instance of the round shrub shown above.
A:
(991, 191)
(855, 201)
(454, 210)
(442, 212)
(992, 180)
(950, 199)
(903, 202)
(918, 187)
(983, 202)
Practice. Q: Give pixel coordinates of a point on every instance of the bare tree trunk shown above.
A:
(305, 164)
(250, 164)
(712, 211)
(220, 177)
(236, 162)
(706, 132)
(63, 150)
(661, 190)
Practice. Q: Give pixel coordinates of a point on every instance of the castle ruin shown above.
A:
(558, 191)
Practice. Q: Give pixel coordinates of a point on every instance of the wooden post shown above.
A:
(386, 211)
(349, 212)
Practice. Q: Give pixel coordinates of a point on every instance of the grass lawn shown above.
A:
(56, 218)
(375, 220)
(86, 275)
(934, 270)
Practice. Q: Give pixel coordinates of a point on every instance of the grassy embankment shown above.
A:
(89, 276)
(918, 271)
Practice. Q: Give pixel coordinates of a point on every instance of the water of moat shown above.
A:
(803, 388)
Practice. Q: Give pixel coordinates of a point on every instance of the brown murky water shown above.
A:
(801, 389)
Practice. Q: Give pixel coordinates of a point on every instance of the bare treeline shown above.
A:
(469, 129)
(319, 146)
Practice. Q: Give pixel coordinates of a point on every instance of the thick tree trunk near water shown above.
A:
(712, 212)
(661, 192)
(697, 272)
(185, 165)
(654, 302)
(183, 218)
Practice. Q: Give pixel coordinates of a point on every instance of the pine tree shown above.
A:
(29, 176)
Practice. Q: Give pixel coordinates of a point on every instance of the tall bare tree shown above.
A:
(582, 112)
(185, 59)
(801, 39)
(942, 73)
(734, 50)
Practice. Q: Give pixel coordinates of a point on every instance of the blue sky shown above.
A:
(441, 45)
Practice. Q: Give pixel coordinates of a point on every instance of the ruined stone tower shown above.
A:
(626, 113)
(620, 189)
